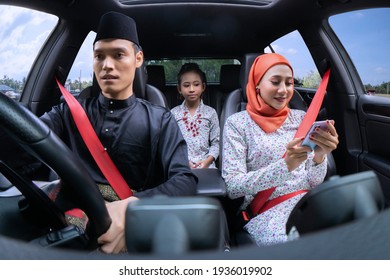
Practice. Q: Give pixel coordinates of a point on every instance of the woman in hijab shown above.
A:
(260, 154)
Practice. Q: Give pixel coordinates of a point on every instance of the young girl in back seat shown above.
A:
(198, 122)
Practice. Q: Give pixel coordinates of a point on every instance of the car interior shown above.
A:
(349, 208)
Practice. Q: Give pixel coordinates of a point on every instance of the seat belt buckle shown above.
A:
(245, 215)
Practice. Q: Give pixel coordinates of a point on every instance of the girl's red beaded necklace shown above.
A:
(192, 126)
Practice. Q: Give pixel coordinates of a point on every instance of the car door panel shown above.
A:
(374, 119)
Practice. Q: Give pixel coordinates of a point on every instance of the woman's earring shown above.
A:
(257, 91)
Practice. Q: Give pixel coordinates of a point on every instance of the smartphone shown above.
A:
(307, 141)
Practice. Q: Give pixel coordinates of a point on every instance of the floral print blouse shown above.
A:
(201, 131)
(253, 161)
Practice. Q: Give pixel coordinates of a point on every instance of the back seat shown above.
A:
(156, 76)
(214, 95)
(229, 80)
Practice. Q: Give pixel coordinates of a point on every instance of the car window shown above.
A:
(365, 35)
(295, 50)
(81, 73)
(211, 67)
(22, 34)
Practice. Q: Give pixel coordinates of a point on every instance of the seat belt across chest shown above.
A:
(98, 152)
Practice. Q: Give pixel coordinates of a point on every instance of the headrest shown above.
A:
(229, 77)
(337, 201)
(156, 76)
(173, 225)
(139, 83)
(246, 64)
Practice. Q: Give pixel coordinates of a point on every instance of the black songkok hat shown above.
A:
(115, 25)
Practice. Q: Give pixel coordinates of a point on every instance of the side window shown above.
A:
(22, 34)
(365, 35)
(81, 73)
(306, 76)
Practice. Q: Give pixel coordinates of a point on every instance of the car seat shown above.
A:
(229, 80)
(335, 202)
(156, 76)
(174, 225)
(144, 90)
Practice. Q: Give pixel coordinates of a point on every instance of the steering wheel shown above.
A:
(37, 139)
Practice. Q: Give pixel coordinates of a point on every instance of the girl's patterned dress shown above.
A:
(201, 131)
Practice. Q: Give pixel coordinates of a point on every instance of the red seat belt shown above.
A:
(314, 108)
(258, 203)
(95, 147)
(273, 202)
(260, 199)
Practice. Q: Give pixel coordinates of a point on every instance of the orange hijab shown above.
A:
(268, 118)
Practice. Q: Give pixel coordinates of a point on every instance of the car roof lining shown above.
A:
(193, 23)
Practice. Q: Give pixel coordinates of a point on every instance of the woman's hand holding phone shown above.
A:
(316, 125)
(322, 139)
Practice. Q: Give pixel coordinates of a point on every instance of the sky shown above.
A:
(22, 33)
